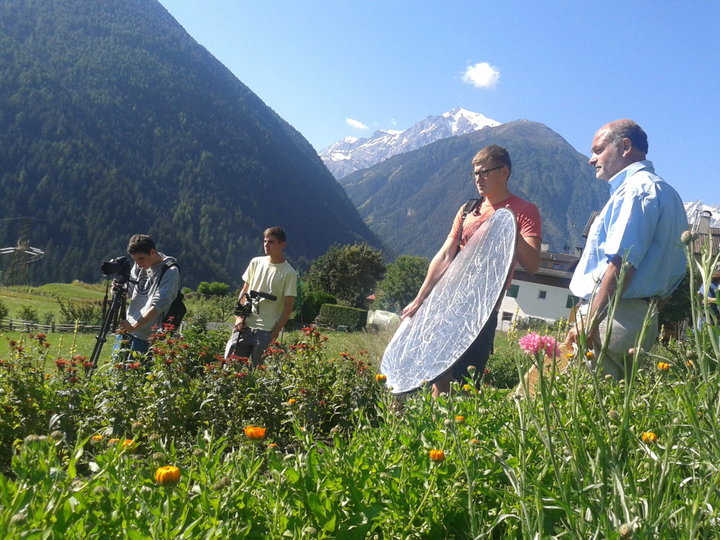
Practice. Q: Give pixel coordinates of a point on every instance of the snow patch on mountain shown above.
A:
(692, 209)
(352, 154)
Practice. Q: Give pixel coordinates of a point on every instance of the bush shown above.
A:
(311, 305)
(213, 289)
(87, 312)
(28, 314)
(334, 315)
(502, 367)
(4, 311)
(188, 388)
(210, 309)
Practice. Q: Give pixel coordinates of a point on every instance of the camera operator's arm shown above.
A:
(289, 304)
(240, 321)
(148, 317)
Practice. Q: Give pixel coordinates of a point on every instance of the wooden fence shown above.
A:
(30, 326)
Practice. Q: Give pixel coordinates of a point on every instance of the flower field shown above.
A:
(312, 445)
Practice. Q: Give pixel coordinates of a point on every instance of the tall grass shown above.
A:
(587, 458)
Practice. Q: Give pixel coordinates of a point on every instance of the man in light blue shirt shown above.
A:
(642, 223)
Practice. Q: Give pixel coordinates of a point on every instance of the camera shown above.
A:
(252, 299)
(118, 268)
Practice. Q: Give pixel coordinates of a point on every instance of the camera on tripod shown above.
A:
(252, 299)
(118, 268)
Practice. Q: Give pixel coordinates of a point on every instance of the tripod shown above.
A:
(110, 320)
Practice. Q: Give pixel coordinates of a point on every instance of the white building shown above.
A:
(544, 295)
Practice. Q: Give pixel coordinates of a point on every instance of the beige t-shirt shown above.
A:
(277, 279)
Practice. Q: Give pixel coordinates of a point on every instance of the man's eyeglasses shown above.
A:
(482, 173)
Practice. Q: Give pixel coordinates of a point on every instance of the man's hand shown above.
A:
(593, 335)
(411, 309)
(127, 326)
(239, 324)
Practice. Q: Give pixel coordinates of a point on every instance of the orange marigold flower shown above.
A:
(129, 445)
(255, 433)
(380, 377)
(459, 419)
(95, 439)
(663, 366)
(648, 436)
(167, 475)
(437, 455)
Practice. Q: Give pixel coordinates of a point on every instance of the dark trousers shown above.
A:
(251, 343)
(477, 354)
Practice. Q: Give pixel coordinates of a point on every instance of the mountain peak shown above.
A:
(692, 209)
(346, 156)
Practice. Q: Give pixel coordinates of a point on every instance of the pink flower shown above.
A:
(534, 344)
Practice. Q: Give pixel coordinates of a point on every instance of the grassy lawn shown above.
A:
(43, 299)
(62, 345)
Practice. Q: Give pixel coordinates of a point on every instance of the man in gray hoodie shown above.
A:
(150, 291)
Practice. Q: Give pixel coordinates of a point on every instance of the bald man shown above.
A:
(641, 224)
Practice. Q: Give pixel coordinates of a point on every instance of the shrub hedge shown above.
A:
(332, 315)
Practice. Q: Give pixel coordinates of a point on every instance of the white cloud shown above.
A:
(356, 124)
(481, 75)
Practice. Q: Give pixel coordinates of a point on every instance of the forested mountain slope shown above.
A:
(114, 121)
(409, 200)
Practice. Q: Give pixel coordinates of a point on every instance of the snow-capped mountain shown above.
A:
(693, 208)
(352, 154)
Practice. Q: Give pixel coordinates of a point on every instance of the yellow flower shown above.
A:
(459, 419)
(96, 439)
(467, 387)
(272, 445)
(255, 433)
(589, 355)
(474, 441)
(113, 441)
(168, 475)
(381, 377)
(437, 455)
(129, 445)
(648, 436)
(292, 401)
(663, 366)
(690, 364)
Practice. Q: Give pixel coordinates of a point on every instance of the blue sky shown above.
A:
(339, 68)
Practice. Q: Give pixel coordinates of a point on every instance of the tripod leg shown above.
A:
(107, 325)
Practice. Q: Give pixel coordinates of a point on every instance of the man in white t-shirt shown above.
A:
(265, 278)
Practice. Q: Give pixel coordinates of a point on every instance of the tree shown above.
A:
(347, 272)
(213, 289)
(401, 283)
